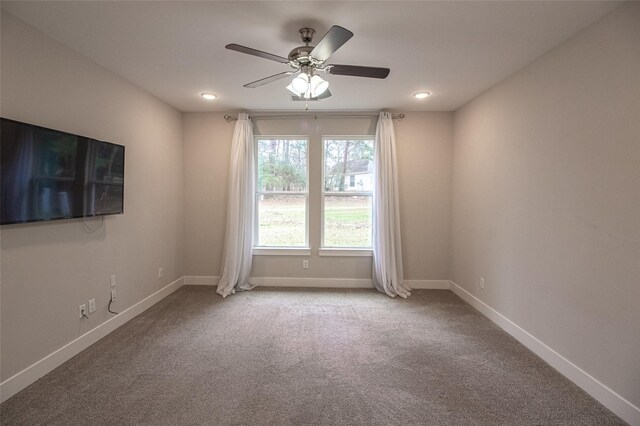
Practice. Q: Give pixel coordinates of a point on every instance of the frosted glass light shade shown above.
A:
(318, 86)
(292, 90)
(301, 83)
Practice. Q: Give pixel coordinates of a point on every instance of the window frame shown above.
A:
(303, 250)
(325, 250)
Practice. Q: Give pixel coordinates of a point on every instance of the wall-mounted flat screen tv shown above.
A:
(48, 174)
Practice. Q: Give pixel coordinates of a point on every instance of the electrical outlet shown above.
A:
(82, 311)
(113, 280)
(160, 272)
(305, 264)
(113, 294)
(92, 305)
(481, 282)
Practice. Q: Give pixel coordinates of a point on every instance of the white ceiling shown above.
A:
(175, 50)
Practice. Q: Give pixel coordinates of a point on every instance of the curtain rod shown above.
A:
(315, 115)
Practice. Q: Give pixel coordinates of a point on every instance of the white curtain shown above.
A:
(236, 264)
(387, 248)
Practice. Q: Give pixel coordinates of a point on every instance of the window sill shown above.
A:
(345, 252)
(281, 251)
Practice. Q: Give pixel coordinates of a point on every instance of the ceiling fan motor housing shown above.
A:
(300, 55)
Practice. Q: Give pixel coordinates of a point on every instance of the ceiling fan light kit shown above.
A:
(305, 87)
(306, 61)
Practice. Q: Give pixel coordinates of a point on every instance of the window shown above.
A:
(347, 192)
(282, 191)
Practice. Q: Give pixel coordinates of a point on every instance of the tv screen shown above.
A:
(48, 174)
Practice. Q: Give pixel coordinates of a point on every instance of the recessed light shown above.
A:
(209, 96)
(422, 95)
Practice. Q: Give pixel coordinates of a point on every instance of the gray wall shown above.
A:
(48, 269)
(424, 145)
(546, 199)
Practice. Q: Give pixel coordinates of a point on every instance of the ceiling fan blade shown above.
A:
(332, 41)
(324, 95)
(258, 53)
(357, 71)
(269, 79)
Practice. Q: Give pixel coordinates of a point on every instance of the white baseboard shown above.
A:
(24, 378)
(318, 282)
(428, 284)
(605, 395)
(201, 280)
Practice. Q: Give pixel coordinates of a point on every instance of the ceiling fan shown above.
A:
(306, 61)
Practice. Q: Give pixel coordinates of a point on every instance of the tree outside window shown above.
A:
(281, 191)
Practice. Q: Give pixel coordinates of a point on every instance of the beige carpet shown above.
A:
(306, 357)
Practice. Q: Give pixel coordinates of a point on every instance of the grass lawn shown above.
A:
(347, 221)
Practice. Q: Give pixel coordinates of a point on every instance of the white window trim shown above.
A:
(331, 250)
(281, 251)
(277, 250)
(346, 252)
(349, 193)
